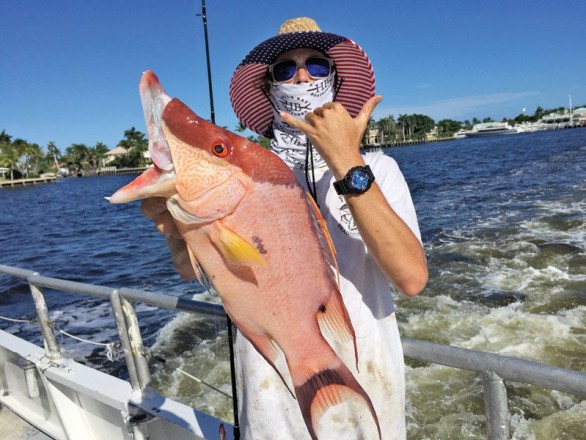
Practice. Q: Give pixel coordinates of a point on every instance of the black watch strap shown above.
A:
(341, 187)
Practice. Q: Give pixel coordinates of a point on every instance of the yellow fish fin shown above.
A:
(234, 248)
(324, 235)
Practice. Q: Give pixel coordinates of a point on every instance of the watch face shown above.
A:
(360, 180)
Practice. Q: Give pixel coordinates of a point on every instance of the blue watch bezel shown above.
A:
(348, 185)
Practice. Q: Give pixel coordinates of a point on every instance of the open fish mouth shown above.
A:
(158, 181)
(154, 100)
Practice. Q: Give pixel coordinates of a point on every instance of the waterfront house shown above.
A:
(113, 154)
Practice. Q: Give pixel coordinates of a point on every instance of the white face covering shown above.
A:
(289, 143)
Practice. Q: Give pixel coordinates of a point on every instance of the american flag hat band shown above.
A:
(353, 68)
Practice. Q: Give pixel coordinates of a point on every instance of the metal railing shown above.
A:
(495, 369)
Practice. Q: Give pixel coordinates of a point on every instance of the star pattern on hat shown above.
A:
(267, 52)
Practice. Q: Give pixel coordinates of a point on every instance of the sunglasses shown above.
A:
(316, 68)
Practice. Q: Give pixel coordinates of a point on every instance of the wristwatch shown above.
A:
(356, 181)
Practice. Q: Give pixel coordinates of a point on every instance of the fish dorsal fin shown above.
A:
(234, 248)
(324, 235)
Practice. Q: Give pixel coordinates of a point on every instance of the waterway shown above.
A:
(503, 221)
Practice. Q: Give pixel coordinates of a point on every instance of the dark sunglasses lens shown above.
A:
(318, 67)
(284, 71)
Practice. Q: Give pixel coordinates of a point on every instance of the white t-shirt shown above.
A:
(267, 409)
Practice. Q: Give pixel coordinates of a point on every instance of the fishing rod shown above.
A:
(228, 320)
(205, 33)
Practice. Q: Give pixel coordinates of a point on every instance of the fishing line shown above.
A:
(163, 361)
(310, 186)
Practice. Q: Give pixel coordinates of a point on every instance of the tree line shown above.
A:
(416, 126)
(26, 160)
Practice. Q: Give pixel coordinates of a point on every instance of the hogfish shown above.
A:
(252, 230)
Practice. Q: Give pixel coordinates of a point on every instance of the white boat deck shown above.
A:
(70, 401)
(13, 427)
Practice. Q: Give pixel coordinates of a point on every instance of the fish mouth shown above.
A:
(158, 181)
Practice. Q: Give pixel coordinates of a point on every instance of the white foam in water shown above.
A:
(502, 254)
(206, 359)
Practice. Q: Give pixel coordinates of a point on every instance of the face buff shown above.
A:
(289, 143)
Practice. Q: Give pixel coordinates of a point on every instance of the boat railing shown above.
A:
(495, 369)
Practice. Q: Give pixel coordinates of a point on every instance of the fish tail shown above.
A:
(326, 389)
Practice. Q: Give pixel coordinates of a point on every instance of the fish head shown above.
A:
(215, 168)
(205, 157)
(202, 169)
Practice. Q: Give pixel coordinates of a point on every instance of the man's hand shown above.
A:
(155, 209)
(335, 134)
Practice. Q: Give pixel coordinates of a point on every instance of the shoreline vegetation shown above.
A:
(21, 160)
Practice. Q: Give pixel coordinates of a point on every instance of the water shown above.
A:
(503, 222)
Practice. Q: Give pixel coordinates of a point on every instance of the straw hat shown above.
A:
(354, 72)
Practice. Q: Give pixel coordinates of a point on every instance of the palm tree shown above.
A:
(131, 134)
(20, 147)
(53, 155)
(387, 127)
(135, 138)
(33, 153)
(97, 153)
(539, 112)
(8, 154)
(77, 154)
(403, 122)
(5, 137)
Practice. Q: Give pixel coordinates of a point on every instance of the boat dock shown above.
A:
(25, 182)
(109, 171)
(405, 143)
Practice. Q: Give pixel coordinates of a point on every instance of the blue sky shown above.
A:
(69, 69)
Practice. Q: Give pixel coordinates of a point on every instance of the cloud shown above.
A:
(454, 108)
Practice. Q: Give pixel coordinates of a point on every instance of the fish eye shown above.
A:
(220, 150)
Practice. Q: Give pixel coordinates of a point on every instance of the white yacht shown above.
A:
(491, 129)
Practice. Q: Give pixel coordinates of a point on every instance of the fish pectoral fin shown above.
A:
(234, 248)
(335, 325)
(199, 275)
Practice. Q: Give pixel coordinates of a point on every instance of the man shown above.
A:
(311, 92)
